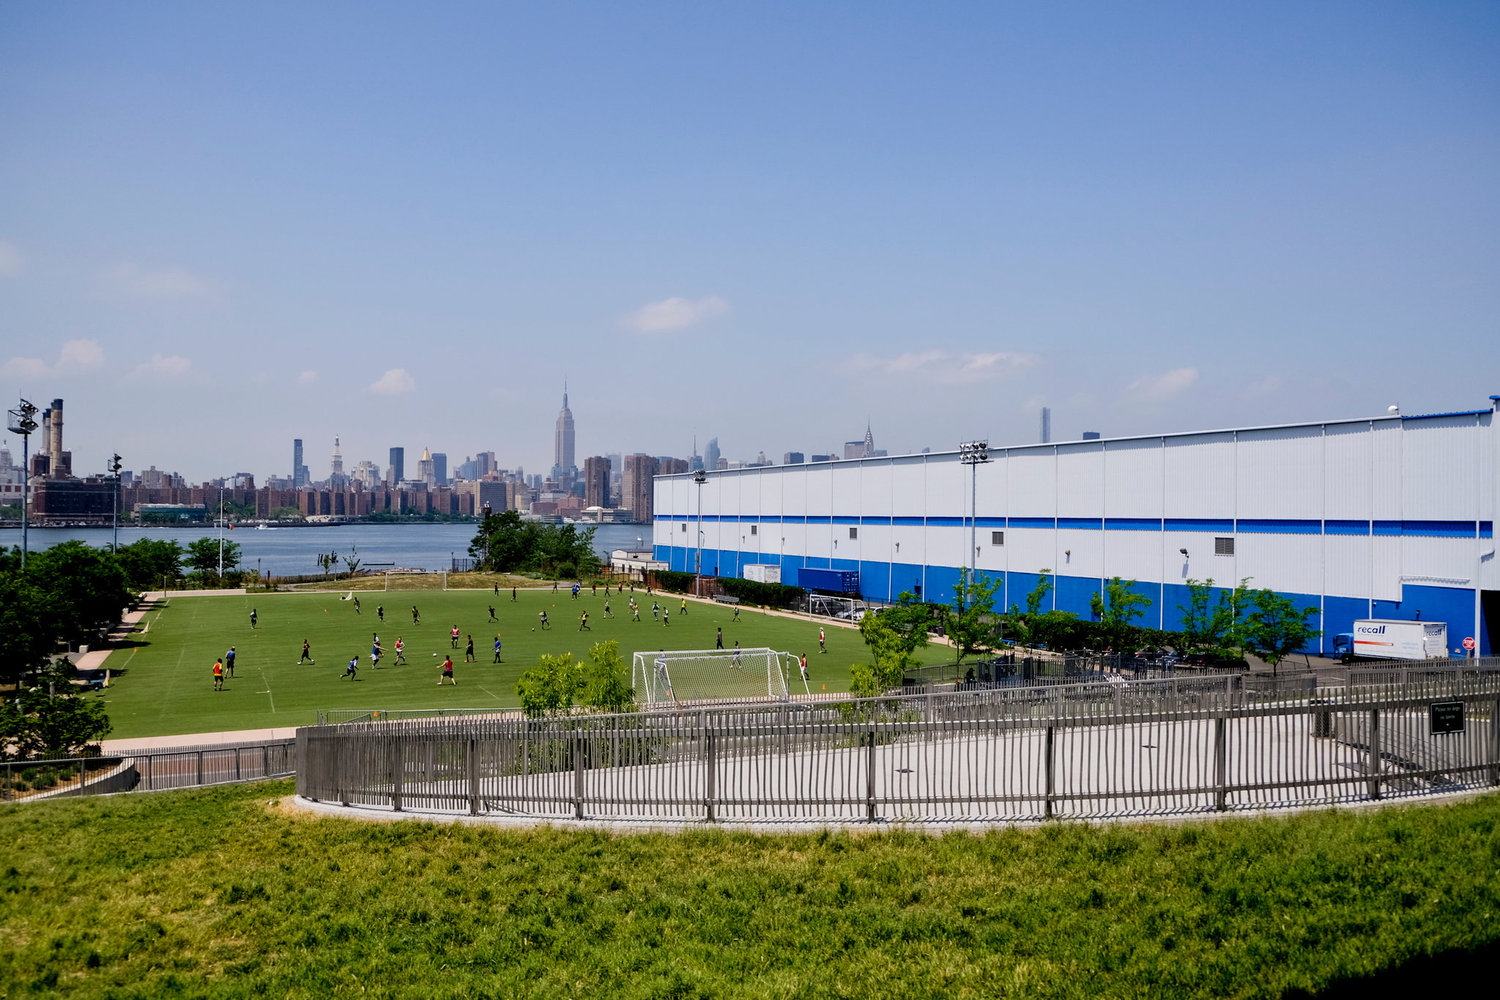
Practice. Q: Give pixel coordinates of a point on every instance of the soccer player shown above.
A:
(469, 650)
(635, 611)
(380, 611)
(447, 672)
(683, 611)
(356, 605)
(306, 653)
(492, 613)
(719, 638)
(802, 665)
(400, 650)
(607, 613)
(543, 616)
(453, 638)
(497, 647)
(822, 648)
(583, 622)
(219, 674)
(735, 663)
(416, 619)
(655, 611)
(351, 669)
(736, 612)
(252, 617)
(229, 662)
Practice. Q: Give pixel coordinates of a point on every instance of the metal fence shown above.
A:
(146, 770)
(1101, 749)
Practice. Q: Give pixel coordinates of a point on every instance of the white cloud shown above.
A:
(1159, 388)
(394, 383)
(675, 314)
(25, 368)
(74, 356)
(171, 366)
(161, 284)
(10, 258)
(307, 378)
(946, 367)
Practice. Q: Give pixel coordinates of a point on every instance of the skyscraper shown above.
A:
(636, 489)
(563, 465)
(1046, 425)
(596, 481)
(398, 465)
(336, 478)
(440, 467)
(299, 471)
(711, 454)
(424, 468)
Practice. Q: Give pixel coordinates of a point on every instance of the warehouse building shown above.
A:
(1387, 517)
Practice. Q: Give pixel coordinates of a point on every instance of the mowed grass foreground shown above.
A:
(225, 892)
(166, 683)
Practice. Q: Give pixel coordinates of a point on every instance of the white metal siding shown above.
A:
(1200, 476)
(1033, 479)
(1133, 487)
(1080, 480)
(1349, 461)
(1280, 473)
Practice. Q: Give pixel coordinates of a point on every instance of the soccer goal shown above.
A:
(670, 677)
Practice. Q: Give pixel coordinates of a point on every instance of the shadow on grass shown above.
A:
(1413, 977)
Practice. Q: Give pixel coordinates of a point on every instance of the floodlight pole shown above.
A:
(973, 454)
(221, 536)
(700, 477)
(23, 421)
(114, 506)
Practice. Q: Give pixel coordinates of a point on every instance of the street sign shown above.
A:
(1469, 642)
(1446, 717)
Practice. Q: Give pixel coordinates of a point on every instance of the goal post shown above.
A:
(670, 677)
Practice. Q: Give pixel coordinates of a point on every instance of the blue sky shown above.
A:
(225, 226)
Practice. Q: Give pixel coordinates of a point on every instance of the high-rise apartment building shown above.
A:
(398, 466)
(596, 481)
(636, 489)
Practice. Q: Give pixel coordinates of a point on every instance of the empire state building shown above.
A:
(563, 465)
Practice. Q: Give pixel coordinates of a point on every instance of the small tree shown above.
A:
(351, 561)
(1117, 608)
(50, 720)
(1274, 628)
(327, 561)
(203, 555)
(1039, 593)
(969, 621)
(893, 635)
(558, 683)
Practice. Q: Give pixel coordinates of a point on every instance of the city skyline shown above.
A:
(412, 229)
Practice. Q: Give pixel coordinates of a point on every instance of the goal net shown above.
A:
(670, 677)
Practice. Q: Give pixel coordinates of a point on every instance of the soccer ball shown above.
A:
(533, 628)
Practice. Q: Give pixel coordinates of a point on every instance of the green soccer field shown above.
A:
(165, 685)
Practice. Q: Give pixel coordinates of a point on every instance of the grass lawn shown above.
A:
(165, 685)
(222, 892)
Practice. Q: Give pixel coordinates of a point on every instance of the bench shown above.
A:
(726, 599)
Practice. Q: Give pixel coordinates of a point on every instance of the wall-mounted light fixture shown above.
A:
(1184, 553)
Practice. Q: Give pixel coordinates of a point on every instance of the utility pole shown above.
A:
(973, 454)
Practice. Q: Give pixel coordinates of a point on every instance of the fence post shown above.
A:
(200, 767)
(398, 767)
(1221, 764)
(265, 764)
(236, 763)
(473, 769)
(1374, 765)
(577, 775)
(870, 778)
(1495, 742)
(1051, 778)
(712, 782)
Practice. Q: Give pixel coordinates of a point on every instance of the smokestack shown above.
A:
(54, 433)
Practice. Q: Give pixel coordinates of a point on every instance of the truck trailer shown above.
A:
(1385, 639)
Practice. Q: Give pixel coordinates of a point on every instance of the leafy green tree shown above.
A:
(287, 514)
(1275, 628)
(27, 623)
(893, 635)
(327, 561)
(506, 544)
(1038, 595)
(970, 621)
(606, 679)
(203, 555)
(52, 719)
(1117, 608)
(85, 587)
(148, 561)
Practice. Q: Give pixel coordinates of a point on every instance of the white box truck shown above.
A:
(1384, 639)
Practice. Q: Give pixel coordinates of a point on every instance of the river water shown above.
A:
(294, 551)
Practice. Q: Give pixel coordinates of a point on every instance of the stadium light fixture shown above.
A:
(22, 421)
